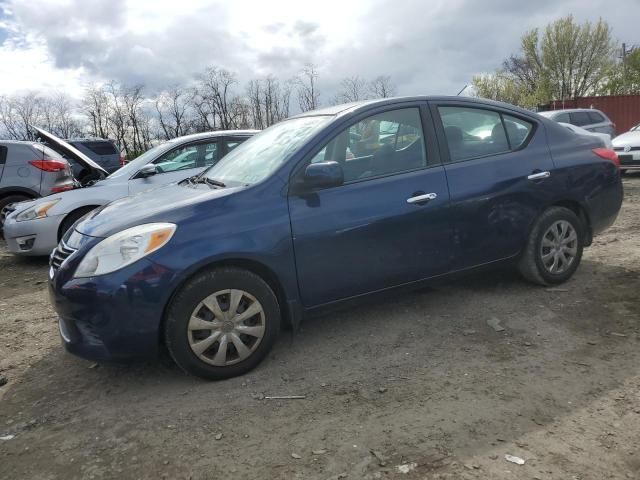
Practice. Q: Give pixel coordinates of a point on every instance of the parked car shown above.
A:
(627, 146)
(604, 137)
(34, 228)
(587, 118)
(104, 152)
(285, 225)
(30, 170)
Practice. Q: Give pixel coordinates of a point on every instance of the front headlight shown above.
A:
(37, 211)
(124, 248)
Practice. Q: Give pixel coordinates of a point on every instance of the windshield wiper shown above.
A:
(209, 181)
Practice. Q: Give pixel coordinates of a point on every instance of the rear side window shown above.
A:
(476, 132)
(231, 144)
(3, 154)
(580, 118)
(596, 117)
(473, 132)
(100, 148)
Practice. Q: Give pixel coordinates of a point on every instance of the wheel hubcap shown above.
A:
(226, 327)
(559, 247)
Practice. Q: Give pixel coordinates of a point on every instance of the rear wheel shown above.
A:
(554, 248)
(7, 201)
(222, 323)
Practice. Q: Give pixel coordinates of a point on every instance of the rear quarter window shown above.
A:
(596, 117)
(3, 154)
(580, 118)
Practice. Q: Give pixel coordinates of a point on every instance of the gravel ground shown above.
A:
(418, 383)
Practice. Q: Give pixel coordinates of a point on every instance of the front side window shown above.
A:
(188, 156)
(383, 144)
(476, 132)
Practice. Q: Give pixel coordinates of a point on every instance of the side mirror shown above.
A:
(323, 175)
(147, 171)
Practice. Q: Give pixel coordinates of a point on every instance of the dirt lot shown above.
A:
(419, 383)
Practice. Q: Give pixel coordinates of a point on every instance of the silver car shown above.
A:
(35, 227)
(587, 118)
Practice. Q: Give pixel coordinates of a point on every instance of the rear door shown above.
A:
(387, 224)
(498, 168)
(179, 163)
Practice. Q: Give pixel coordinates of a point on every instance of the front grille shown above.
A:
(59, 255)
(621, 149)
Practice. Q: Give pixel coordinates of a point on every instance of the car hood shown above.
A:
(65, 148)
(164, 204)
(629, 138)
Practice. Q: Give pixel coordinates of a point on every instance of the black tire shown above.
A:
(531, 265)
(6, 201)
(189, 297)
(72, 218)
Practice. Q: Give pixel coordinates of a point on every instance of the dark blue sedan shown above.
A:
(325, 207)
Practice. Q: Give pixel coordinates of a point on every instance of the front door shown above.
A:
(387, 224)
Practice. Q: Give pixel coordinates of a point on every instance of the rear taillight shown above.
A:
(62, 188)
(608, 155)
(123, 159)
(49, 165)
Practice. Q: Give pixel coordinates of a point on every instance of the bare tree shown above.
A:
(96, 106)
(352, 89)
(381, 87)
(268, 101)
(308, 96)
(173, 107)
(215, 98)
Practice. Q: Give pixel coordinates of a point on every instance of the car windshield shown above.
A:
(262, 154)
(137, 163)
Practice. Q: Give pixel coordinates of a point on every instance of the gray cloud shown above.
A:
(426, 47)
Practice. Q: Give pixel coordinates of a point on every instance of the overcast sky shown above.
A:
(427, 46)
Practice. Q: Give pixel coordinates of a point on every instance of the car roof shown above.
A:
(213, 134)
(569, 110)
(89, 139)
(366, 104)
(18, 142)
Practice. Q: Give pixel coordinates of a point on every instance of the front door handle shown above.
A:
(422, 198)
(539, 176)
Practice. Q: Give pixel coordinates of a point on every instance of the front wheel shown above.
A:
(554, 248)
(222, 323)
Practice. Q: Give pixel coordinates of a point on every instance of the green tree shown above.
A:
(565, 60)
(624, 77)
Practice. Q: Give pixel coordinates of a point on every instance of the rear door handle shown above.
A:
(423, 198)
(539, 175)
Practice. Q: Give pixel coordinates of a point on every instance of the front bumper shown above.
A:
(32, 237)
(114, 317)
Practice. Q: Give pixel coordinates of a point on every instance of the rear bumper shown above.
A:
(32, 237)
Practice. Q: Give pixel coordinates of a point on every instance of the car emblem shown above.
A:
(627, 148)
